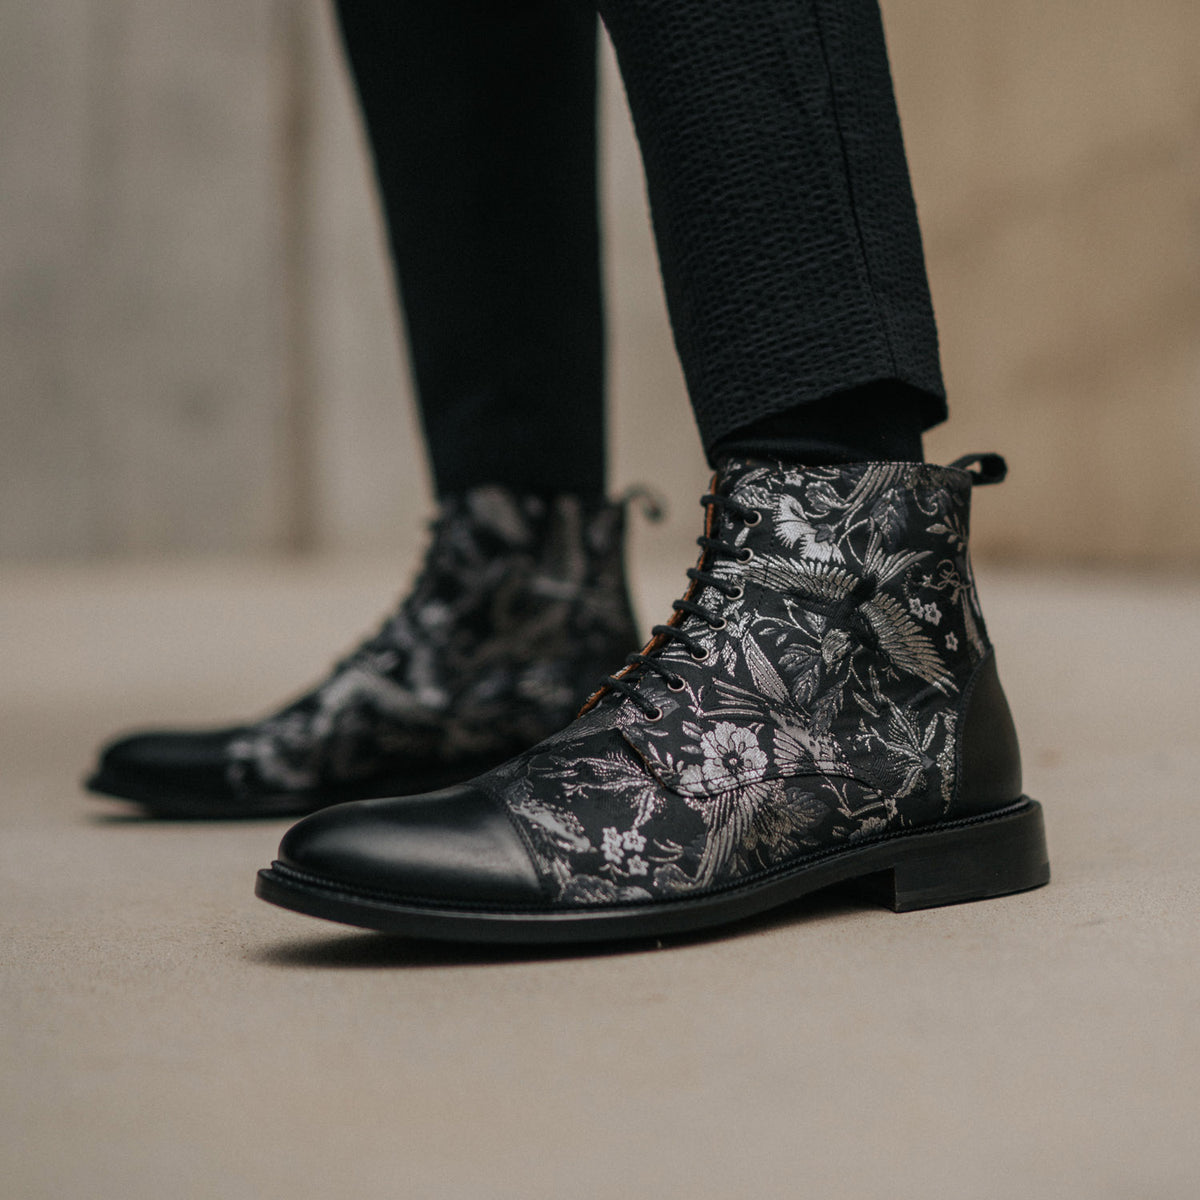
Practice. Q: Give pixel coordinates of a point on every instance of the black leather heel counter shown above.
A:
(989, 756)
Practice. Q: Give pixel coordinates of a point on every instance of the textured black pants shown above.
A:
(786, 229)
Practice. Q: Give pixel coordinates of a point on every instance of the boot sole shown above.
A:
(972, 859)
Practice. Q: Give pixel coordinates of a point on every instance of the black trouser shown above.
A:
(783, 213)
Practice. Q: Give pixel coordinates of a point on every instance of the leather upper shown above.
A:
(174, 761)
(989, 773)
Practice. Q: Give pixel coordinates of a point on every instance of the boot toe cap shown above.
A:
(452, 845)
(177, 761)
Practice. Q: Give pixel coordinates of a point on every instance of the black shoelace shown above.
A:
(637, 665)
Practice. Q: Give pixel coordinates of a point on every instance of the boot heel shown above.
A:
(972, 862)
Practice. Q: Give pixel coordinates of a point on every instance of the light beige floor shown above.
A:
(164, 1034)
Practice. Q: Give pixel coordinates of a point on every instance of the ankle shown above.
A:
(877, 422)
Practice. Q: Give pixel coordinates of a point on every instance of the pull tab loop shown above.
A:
(992, 468)
(652, 503)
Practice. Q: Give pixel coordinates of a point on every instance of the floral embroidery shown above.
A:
(519, 610)
(611, 845)
(821, 710)
(732, 755)
(807, 539)
(925, 612)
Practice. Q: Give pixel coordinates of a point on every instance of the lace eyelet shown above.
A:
(745, 554)
(718, 624)
(752, 518)
(701, 656)
(676, 683)
(736, 592)
(657, 715)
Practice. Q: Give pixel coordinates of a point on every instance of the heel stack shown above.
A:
(975, 861)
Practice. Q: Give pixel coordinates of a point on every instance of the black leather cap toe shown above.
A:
(455, 844)
(165, 759)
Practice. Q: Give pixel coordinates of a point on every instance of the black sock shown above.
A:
(878, 422)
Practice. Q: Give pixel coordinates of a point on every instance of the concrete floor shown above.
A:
(164, 1033)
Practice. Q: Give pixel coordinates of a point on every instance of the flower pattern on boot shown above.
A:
(520, 606)
(812, 702)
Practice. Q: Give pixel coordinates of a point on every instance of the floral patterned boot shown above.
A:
(822, 707)
(520, 607)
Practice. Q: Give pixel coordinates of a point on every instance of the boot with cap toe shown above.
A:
(521, 604)
(823, 707)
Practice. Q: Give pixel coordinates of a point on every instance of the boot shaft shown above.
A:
(519, 608)
(511, 579)
(852, 647)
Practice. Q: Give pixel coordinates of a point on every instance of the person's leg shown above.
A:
(482, 123)
(786, 227)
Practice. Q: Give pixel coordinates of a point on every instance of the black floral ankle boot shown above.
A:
(521, 605)
(822, 707)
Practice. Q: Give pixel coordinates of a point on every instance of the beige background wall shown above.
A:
(199, 354)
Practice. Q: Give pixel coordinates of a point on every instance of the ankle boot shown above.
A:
(521, 605)
(822, 707)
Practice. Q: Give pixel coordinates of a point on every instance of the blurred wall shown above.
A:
(199, 351)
